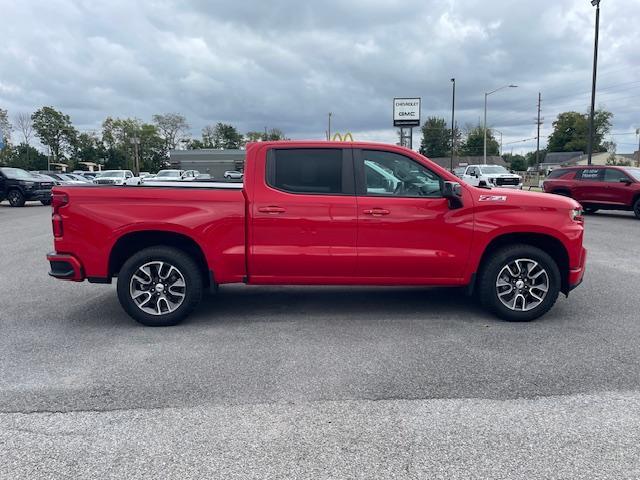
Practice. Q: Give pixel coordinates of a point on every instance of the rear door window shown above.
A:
(327, 171)
(591, 174)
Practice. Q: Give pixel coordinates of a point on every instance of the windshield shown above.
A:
(18, 174)
(634, 172)
(494, 169)
(111, 173)
(168, 173)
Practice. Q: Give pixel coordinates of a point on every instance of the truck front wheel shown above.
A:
(519, 283)
(159, 286)
(16, 198)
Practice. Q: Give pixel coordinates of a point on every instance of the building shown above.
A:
(556, 159)
(208, 160)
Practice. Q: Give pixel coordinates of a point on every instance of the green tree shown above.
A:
(254, 136)
(117, 135)
(436, 138)
(222, 135)
(54, 129)
(473, 144)
(173, 128)
(26, 157)
(271, 135)
(516, 162)
(571, 132)
(530, 157)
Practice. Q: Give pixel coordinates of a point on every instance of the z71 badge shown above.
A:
(492, 198)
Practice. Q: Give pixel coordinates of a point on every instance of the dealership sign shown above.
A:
(406, 112)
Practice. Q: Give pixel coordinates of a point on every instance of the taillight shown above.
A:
(56, 223)
(58, 199)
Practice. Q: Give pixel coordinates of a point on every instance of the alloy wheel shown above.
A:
(522, 284)
(158, 288)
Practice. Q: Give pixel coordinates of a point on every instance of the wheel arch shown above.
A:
(133, 242)
(547, 243)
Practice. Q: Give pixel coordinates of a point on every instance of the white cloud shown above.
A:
(287, 63)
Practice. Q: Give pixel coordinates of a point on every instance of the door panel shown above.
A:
(617, 192)
(589, 186)
(409, 234)
(308, 232)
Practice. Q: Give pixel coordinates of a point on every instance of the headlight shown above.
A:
(577, 215)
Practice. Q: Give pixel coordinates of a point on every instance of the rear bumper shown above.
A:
(65, 267)
(576, 275)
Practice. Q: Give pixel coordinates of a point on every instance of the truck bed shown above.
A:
(211, 214)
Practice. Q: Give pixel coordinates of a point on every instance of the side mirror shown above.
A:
(452, 191)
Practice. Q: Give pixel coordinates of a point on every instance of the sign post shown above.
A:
(406, 113)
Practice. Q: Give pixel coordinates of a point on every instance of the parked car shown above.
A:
(77, 178)
(598, 187)
(233, 174)
(491, 176)
(59, 177)
(169, 176)
(459, 171)
(85, 174)
(310, 213)
(190, 175)
(116, 177)
(19, 186)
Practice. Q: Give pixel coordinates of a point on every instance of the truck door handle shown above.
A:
(271, 209)
(377, 212)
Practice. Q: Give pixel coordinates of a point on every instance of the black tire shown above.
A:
(46, 202)
(185, 266)
(590, 210)
(489, 276)
(636, 208)
(16, 198)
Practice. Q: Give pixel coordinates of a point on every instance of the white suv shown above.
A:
(492, 176)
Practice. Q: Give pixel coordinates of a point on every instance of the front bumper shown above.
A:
(65, 267)
(512, 187)
(37, 195)
(576, 275)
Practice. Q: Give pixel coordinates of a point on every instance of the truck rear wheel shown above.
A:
(519, 283)
(636, 208)
(159, 286)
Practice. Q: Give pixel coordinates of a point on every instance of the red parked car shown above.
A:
(598, 187)
(319, 213)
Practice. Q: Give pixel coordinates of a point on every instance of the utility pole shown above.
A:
(538, 138)
(329, 129)
(638, 159)
(136, 141)
(453, 128)
(596, 3)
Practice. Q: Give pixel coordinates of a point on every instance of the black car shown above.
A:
(19, 186)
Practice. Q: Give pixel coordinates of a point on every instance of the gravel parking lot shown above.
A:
(276, 382)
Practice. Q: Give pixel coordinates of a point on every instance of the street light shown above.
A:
(595, 3)
(485, 117)
(453, 116)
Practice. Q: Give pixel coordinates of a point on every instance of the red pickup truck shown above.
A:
(319, 213)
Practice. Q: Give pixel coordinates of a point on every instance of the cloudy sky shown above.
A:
(286, 63)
